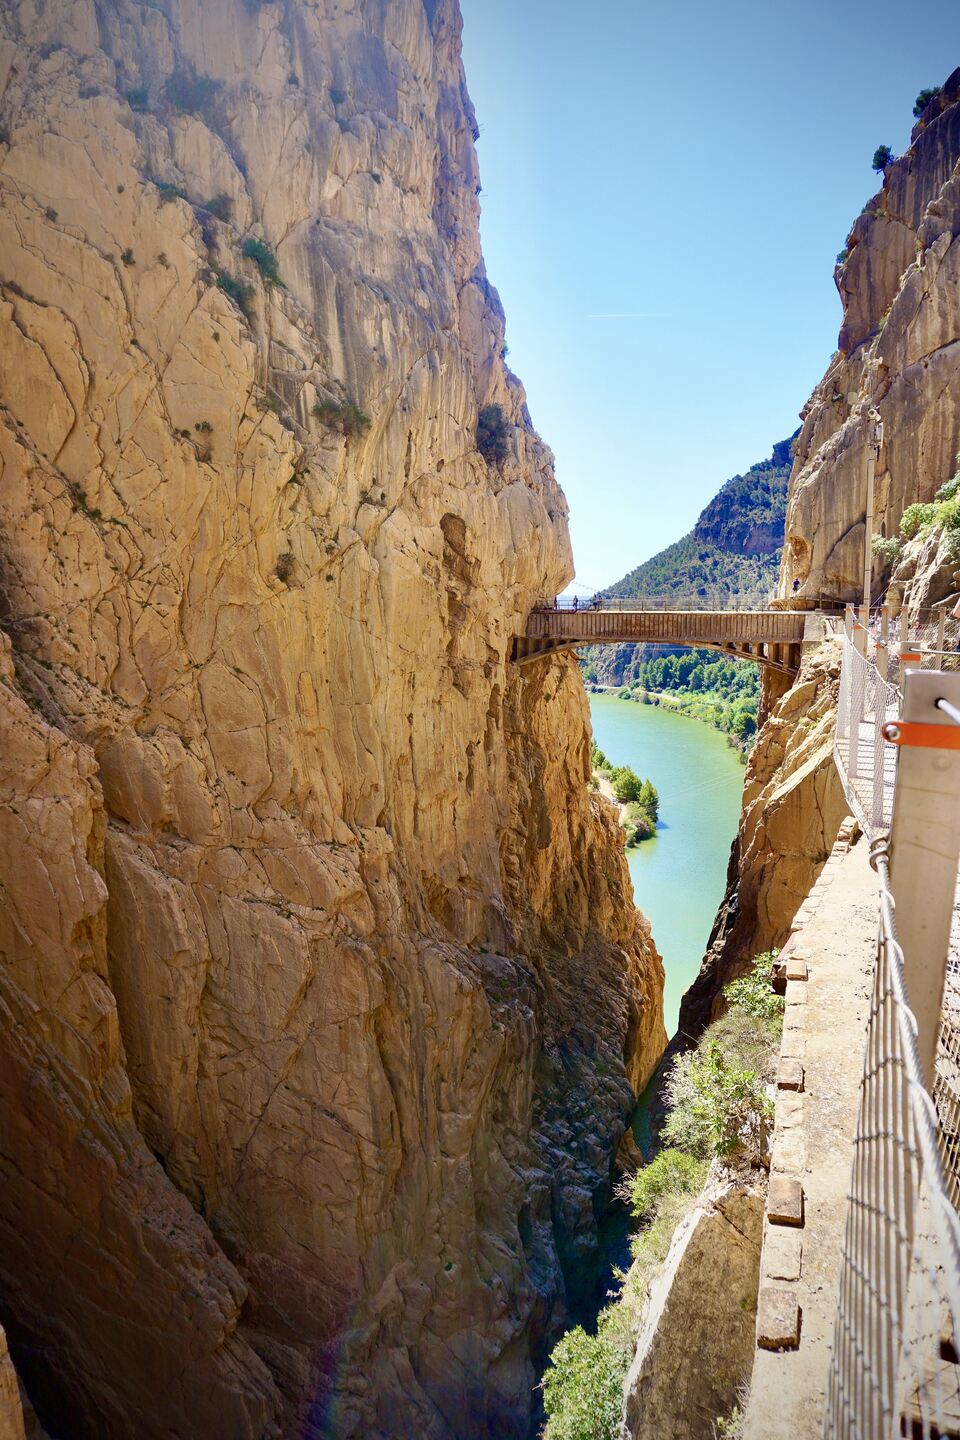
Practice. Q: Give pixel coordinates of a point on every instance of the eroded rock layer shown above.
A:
(899, 350)
(322, 989)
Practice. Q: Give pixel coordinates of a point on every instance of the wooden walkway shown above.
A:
(771, 637)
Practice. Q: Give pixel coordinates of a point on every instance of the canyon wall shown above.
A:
(323, 995)
(898, 351)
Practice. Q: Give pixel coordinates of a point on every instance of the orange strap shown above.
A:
(915, 732)
(910, 655)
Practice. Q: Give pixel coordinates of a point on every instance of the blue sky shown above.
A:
(665, 189)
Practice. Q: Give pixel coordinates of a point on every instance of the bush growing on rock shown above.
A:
(886, 547)
(220, 206)
(671, 1172)
(923, 100)
(915, 517)
(344, 416)
(262, 256)
(492, 432)
(190, 94)
(284, 566)
(882, 157)
(240, 293)
(716, 1105)
(583, 1383)
(754, 993)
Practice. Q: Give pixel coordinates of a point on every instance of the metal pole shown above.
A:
(874, 441)
(924, 852)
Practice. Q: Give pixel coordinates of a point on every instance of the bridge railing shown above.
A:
(710, 601)
(893, 1363)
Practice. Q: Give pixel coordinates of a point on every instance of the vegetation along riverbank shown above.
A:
(718, 1117)
(700, 683)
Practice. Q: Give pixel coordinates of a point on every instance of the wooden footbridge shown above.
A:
(771, 637)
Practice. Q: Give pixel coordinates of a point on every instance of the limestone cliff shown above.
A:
(322, 989)
(899, 351)
(793, 804)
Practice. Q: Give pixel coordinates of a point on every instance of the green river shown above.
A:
(679, 874)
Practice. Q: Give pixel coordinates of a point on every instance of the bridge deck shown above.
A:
(771, 637)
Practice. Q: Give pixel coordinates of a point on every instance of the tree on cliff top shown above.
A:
(923, 99)
(882, 157)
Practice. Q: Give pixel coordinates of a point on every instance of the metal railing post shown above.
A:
(925, 851)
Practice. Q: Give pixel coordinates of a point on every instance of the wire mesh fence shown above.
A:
(894, 1369)
(866, 763)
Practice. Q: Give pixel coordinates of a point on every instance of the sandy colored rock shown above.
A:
(324, 999)
(782, 1253)
(11, 1411)
(697, 1340)
(897, 351)
(790, 1075)
(778, 1318)
(793, 805)
(785, 1201)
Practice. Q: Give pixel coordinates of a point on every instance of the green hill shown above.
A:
(732, 554)
(733, 551)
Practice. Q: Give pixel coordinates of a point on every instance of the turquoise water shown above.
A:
(679, 875)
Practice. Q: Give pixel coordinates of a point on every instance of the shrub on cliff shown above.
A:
(754, 993)
(672, 1172)
(492, 432)
(915, 518)
(240, 293)
(190, 94)
(717, 1107)
(263, 257)
(343, 415)
(221, 206)
(583, 1383)
(716, 1095)
(882, 157)
(886, 547)
(923, 100)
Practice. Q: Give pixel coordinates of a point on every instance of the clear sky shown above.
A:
(665, 188)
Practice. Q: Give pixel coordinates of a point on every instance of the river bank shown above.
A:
(679, 874)
(711, 707)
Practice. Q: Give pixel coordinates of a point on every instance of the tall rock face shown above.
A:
(899, 350)
(322, 990)
(793, 805)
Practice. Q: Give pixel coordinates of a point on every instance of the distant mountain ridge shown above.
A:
(733, 551)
